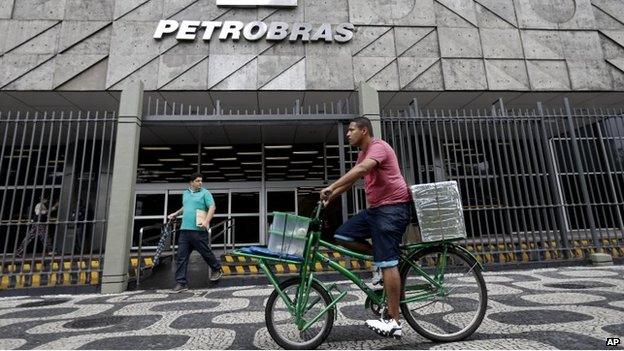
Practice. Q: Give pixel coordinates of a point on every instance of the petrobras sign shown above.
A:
(257, 3)
(256, 30)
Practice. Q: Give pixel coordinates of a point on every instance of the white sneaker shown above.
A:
(377, 276)
(388, 328)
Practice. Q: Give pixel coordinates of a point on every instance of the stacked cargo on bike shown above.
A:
(439, 212)
(287, 234)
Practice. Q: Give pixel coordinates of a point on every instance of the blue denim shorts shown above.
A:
(385, 225)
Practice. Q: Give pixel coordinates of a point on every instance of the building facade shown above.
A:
(517, 100)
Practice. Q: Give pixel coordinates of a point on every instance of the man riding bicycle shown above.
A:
(384, 220)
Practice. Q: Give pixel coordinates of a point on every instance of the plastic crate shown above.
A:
(439, 211)
(287, 234)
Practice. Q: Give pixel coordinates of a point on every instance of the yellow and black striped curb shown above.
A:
(238, 265)
(59, 273)
(541, 251)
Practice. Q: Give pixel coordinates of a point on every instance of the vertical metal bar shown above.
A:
(86, 221)
(538, 187)
(615, 188)
(585, 192)
(424, 146)
(488, 166)
(506, 181)
(25, 178)
(533, 206)
(6, 183)
(35, 177)
(549, 165)
(341, 154)
(469, 177)
(518, 167)
(79, 200)
(596, 201)
(111, 152)
(17, 177)
(97, 188)
(563, 171)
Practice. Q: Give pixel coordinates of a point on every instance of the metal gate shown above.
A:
(55, 171)
(536, 185)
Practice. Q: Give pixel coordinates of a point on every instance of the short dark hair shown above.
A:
(194, 176)
(363, 122)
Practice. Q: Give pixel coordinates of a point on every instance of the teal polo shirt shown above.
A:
(191, 201)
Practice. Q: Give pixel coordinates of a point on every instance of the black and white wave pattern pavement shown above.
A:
(559, 308)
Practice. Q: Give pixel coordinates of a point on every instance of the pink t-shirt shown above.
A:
(384, 184)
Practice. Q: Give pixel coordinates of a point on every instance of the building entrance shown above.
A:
(254, 165)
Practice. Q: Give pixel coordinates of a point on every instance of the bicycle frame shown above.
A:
(312, 256)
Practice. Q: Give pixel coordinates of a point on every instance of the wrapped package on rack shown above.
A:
(439, 211)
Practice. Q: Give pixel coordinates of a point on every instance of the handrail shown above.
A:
(140, 247)
(227, 225)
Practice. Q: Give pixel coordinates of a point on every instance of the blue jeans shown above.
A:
(189, 240)
(385, 225)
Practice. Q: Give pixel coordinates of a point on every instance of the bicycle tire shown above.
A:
(313, 342)
(423, 323)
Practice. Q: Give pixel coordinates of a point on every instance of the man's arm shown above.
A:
(211, 211)
(347, 180)
(176, 213)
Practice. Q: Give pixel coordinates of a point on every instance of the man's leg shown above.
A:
(200, 243)
(392, 286)
(353, 233)
(184, 251)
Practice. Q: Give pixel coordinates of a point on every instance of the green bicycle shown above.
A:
(443, 294)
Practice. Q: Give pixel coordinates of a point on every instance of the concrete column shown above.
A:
(120, 211)
(369, 106)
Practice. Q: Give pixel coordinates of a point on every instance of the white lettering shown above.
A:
(344, 32)
(188, 30)
(255, 30)
(165, 27)
(301, 30)
(324, 32)
(260, 27)
(277, 31)
(210, 27)
(231, 27)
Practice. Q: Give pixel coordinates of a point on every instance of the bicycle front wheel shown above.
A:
(281, 323)
(452, 312)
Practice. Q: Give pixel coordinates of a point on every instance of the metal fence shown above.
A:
(55, 172)
(540, 184)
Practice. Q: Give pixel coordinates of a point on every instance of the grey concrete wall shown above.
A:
(400, 45)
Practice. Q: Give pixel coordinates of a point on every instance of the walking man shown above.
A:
(39, 228)
(385, 219)
(198, 208)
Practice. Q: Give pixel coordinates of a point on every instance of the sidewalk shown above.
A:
(553, 308)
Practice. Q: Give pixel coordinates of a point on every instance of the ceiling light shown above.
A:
(217, 147)
(234, 175)
(276, 166)
(295, 176)
(182, 168)
(251, 163)
(212, 172)
(301, 162)
(253, 170)
(276, 174)
(277, 158)
(163, 172)
(189, 154)
(214, 178)
(318, 166)
(249, 153)
(174, 178)
(224, 159)
(170, 159)
(332, 146)
(234, 167)
(151, 164)
(156, 148)
(274, 147)
(317, 173)
(305, 152)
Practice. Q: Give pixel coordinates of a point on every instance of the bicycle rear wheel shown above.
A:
(453, 312)
(281, 323)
